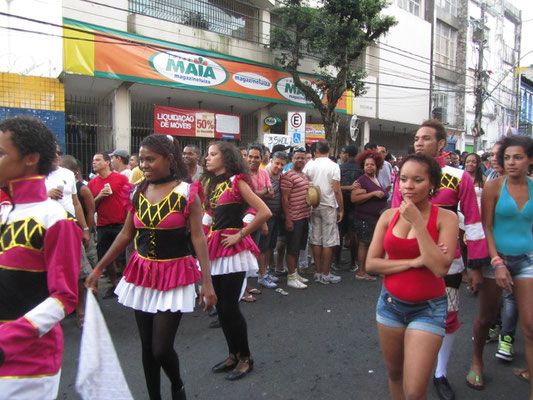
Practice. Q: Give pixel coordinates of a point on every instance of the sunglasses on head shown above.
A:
(298, 149)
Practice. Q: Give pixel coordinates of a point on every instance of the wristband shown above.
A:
(97, 272)
(86, 228)
(241, 234)
(497, 260)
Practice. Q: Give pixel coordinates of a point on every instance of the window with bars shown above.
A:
(413, 6)
(231, 18)
(445, 44)
(449, 6)
(444, 102)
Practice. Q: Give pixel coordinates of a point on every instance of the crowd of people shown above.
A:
(170, 226)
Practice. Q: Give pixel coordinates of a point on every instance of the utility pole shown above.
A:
(481, 76)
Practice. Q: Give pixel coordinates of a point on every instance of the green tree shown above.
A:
(335, 35)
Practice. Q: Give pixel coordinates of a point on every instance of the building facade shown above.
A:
(204, 70)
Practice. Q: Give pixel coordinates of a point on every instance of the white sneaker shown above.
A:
(273, 278)
(293, 282)
(330, 278)
(301, 278)
(317, 277)
(266, 282)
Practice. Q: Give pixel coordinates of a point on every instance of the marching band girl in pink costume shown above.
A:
(231, 250)
(159, 280)
(40, 255)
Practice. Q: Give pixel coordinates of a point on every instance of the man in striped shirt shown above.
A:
(294, 184)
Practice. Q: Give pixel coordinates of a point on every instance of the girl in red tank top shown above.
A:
(415, 284)
(413, 247)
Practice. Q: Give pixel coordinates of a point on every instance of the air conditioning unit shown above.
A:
(440, 114)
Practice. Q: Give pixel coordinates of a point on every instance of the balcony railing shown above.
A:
(225, 17)
(509, 54)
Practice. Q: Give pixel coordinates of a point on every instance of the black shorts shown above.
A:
(269, 240)
(105, 236)
(346, 225)
(364, 230)
(297, 238)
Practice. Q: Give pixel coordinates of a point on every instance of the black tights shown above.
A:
(228, 289)
(158, 332)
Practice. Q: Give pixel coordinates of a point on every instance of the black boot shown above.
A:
(179, 394)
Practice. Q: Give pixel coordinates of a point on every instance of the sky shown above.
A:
(527, 30)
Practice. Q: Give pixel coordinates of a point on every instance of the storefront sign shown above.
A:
(108, 53)
(188, 69)
(314, 133)
(198, 123)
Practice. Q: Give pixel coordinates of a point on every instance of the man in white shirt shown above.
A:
(385, 174)
(120, 162)
(191, 158)
(326, 175)
(61, 186)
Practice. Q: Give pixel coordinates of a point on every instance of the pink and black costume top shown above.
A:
(40, 257)
(162, 259)
(227, 211)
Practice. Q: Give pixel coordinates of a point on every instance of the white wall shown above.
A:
(114, 18)
(28, 53)
(398, 68)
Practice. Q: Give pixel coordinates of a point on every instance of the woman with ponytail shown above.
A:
(159, 280)
(231, 250)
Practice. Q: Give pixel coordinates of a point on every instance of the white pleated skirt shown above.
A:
(243, 261)
(181, 298)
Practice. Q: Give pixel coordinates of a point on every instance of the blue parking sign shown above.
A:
(296, 138)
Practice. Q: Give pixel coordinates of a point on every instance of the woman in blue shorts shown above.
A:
(507, 214)
(413, 247)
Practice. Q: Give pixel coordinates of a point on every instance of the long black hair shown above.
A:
(478, 176)
(168, 147)
(233, 163)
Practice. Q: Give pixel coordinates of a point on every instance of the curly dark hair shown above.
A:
(30, 135)
(233, 163)
(478, 177)
(370, 153)
(434, 170)
(166, 146)
(523, 141)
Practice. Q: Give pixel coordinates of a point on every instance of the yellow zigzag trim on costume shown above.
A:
(449, 181)
(215, 195)
(152, 214)
(21, 234)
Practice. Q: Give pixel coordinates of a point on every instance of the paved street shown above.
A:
(319, 343)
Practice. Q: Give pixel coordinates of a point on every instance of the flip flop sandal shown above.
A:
(522, 374)
(248, 299)
(282, 292)
(478, 381)
(254, 291)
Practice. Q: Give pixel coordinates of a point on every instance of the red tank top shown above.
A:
(415, 284)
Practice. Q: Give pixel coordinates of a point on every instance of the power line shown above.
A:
(124, 41)
(308, 55)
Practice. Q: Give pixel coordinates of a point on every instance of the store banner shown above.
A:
(314, 133)
(197, 123)
(108, 53)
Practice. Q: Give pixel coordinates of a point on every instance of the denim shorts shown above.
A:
(428, 316)
(520, 266)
